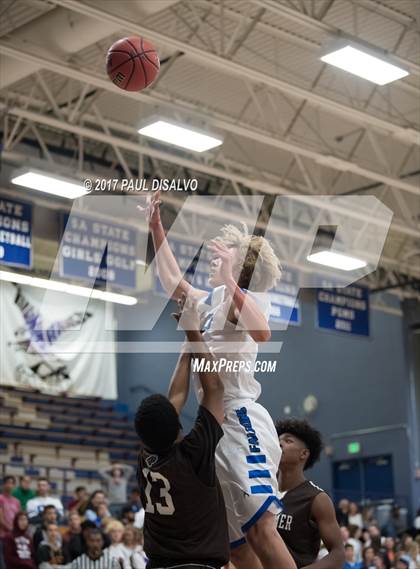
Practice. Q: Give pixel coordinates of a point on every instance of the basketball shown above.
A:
(132, 63)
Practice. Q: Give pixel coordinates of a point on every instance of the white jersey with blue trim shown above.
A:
(231, 344)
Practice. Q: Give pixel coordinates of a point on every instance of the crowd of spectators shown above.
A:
(38, 532)
(369, 545)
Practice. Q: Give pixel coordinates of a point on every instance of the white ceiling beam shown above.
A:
(322, 26)
(244, 130)
(246, 181)
(237, 69)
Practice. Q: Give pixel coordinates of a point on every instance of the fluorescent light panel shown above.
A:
(336, 261)
(49, 184)
(365, 65)
(59, 286)
(180, 136)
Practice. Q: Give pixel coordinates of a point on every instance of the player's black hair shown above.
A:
(80, 488)
(9, 477)
(157, 423)
(348, 546)
(304, 432)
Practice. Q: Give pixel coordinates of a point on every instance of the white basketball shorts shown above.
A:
(247, 461)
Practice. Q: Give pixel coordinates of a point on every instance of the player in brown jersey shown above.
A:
(308, 513)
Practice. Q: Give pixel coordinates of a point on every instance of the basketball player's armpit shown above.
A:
(324, 515)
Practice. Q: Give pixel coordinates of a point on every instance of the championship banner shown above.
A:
(92, 248)
(29, 331)
(285, 306)
(344, 309)
(15, 233)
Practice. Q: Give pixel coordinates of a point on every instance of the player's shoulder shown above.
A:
(314, 487)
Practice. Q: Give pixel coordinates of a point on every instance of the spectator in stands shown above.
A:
(403, 563)
(18, 547)
(368, 557)
(390, 552)
(74, 522)
(36, 506)
(115, 531)
(77, 543)
(134, 503)
(80, 500)
(116, 479)
(375, 537)
(368, 516)
(24, 492)
(410, 550)
(132, 508)
(342, 512)
(396, 524)
(355, 517)
(133, 547)
(50, 551)
(349, 555)
(128, 517)
(379, 562)
(95, 556)
(48, 516)
(9, 507)
(97, 510)
(354, 539)
(139, 519)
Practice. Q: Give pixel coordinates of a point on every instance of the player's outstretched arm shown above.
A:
(324, 514)
(169, 272)
(180, 382)
(211, 383)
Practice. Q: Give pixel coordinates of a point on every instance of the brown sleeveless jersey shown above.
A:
(295, 525)
(185, 515)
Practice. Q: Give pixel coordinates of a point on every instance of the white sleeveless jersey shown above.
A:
(231, 345)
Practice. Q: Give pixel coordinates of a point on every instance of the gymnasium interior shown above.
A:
(315, 156)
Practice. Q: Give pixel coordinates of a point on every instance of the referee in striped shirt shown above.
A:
(95, 557)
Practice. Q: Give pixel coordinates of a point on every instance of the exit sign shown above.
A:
(353, 448)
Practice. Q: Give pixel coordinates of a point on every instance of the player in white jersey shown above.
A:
(234, 320)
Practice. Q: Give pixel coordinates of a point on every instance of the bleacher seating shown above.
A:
(64, 438)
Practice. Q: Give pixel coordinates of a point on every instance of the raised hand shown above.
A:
(152, 209)
(226, 256)
(188, 315)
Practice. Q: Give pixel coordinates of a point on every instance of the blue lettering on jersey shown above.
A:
(252, 459)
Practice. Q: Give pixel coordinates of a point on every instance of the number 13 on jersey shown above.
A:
(166, 506)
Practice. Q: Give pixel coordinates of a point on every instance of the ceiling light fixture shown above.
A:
(365, 63)
(336, 260)
(181, 136)
(67, 288)
(50, 184)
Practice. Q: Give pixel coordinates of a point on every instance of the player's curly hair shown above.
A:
(302, 430)
(259, 276)
(157, 423)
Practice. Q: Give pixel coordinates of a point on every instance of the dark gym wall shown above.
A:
(360, 383)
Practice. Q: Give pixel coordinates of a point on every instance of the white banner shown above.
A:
(28, 335)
